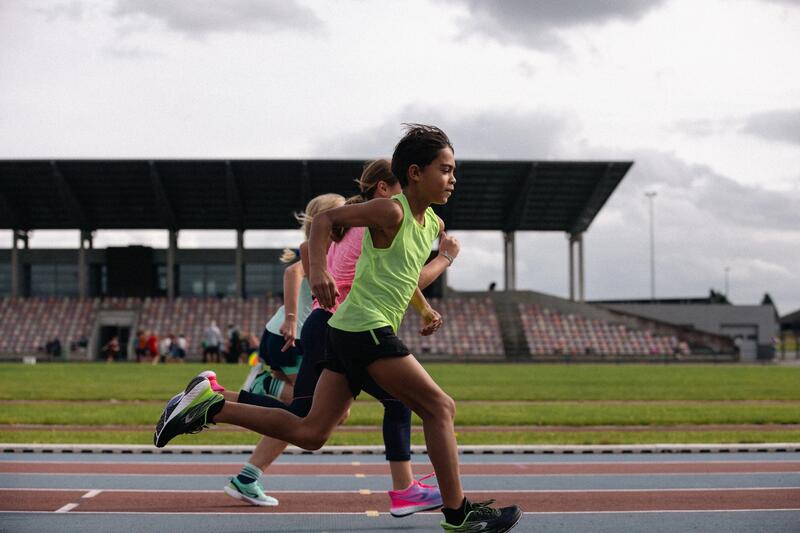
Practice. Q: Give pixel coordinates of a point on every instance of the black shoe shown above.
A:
(485, 519)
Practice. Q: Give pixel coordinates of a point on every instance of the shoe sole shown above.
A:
(406, 511)
(190, 395)
(233, 493)
(509, 528)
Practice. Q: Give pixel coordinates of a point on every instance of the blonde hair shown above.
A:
(318, 204)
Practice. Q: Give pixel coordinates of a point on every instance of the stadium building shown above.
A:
(81, 297)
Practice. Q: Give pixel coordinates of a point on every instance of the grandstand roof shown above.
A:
(263, 194)
(791, 321)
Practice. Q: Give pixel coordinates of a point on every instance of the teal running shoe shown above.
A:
(263, 384)
(251, 493)
(188, 412)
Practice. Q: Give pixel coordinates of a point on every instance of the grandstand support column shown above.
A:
(171, 251)
(581, 294)
(509, 261)
(573, 239)
(83, 267)
(16, 271)
(240, 263)
(571, 248)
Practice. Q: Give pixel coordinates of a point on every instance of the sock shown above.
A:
(249, 473)
(455, 517)
(275, 388)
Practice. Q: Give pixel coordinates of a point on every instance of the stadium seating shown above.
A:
(549, 332)
(470, 328)
(27, 324)
(191, 316)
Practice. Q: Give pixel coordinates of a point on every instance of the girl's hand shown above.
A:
(431, 321)
(289, 331)
(449, 245)
(323, 287)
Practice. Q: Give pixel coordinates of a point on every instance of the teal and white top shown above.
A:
(303, 310)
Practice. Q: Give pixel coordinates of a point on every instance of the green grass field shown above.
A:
(675, 401)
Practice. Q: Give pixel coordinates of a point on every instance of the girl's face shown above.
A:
(437, 180)
(384, 190)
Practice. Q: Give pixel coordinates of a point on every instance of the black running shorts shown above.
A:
(351, 353)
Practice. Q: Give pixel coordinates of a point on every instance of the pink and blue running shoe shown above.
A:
(211, 376)
(417, 497)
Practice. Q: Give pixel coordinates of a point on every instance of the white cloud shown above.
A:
(200, 18)
(778, 125)
(537, 24)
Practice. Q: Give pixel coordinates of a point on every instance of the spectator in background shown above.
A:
(141, 345)
(250, 344)
(178, 348)
(164, 348)
(212, 342)
(170, 348)
(234, 345)
(152, 346)
(111, 349)
(53, 348)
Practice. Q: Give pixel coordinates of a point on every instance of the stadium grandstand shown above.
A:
(82, 297)
(790, 335)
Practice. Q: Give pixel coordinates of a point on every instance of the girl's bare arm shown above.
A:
(381, 214)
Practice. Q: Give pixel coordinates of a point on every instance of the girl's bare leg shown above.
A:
(402, 476)
(406, 379)
(332, 399)
(267, 451)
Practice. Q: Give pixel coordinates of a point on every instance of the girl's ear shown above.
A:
(414, 173)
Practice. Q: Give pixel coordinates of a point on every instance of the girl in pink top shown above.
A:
(342, 259)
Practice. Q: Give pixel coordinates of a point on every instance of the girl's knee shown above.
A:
(313, 440)
(441, 408)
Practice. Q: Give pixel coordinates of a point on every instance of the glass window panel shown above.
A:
(192, 280)
(5, 279)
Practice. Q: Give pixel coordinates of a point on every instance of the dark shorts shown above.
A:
(211, 349)
(270, 351)
(351, 353)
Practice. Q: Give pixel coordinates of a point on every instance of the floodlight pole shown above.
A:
(650, 196)
(727, 269)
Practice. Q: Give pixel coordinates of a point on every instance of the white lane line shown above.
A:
(494, 491)
(91, 493)
(655, 511)
(362, 475)
(421, 464)
(67, 508)
(436, 513)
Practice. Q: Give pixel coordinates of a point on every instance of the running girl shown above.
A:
(362, 339)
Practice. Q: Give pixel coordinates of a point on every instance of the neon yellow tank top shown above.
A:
(386, 277)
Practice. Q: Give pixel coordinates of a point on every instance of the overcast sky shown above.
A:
(703, 95)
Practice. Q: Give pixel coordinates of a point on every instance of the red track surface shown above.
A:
(303, 502)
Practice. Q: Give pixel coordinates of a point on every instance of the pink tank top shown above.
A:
(342, 259)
